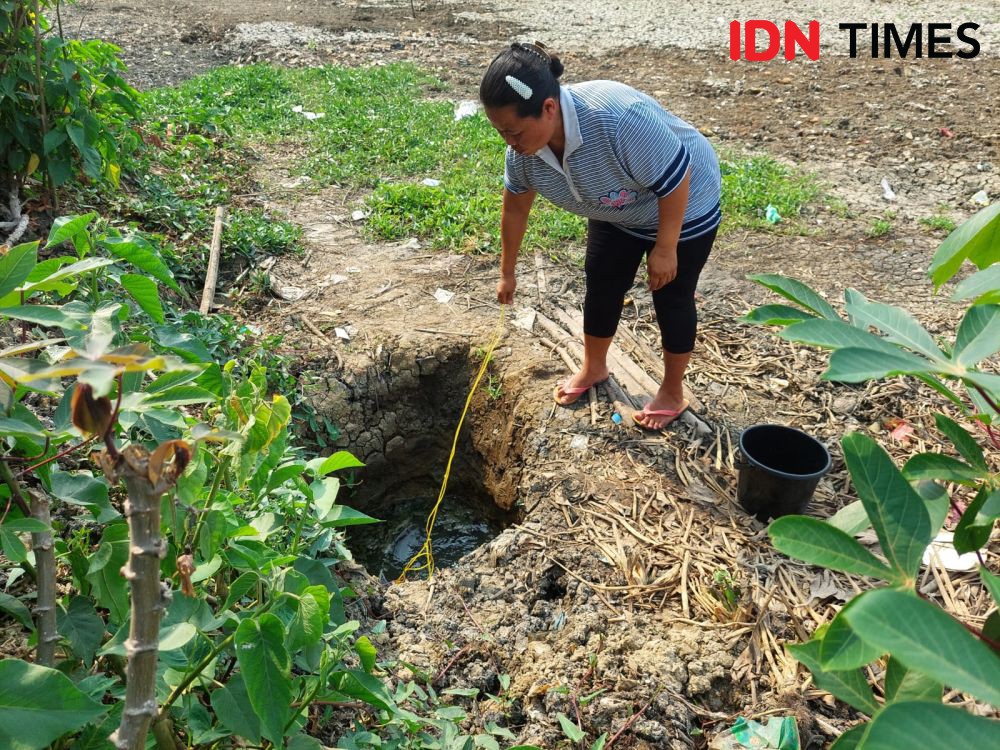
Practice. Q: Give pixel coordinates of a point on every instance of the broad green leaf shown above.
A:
(285, 473)
(57, 279)
(176, 636)
(304, 742)
(818, 543)
(80, 624)
(976, 524)
(964, 443)
(67, 227)
(841, 649)
(13, 607)
(86, 490)
(836, 334)
(851, 739)
(897, 324)
(992, 584)
(43, 315)
(12, 545)
(936, 501)
(983, 286)
(17, 428)
(180, 395)
(978, 335)
(797, 292)
(260, 651)
(104, 573)
(25, 525)
(851, 519)
(16, 265)
(942, 468)
(897, 512)
(102, 325)
(363, 686)
(366, 653)
(930, 726)
(854, 365)
(311, 618)
(240, 588)
(977, 239)
(987, 381)
(143, 256)
(486, 742)
(571, 730)
(340, 515)
(775, 315)
(233, 708)
(924, 638)
(325, 495)
(336, 462)
(145, 292)
(171, 379)
(451, 713)
(38, 705)
(850, 686)
(902, 684)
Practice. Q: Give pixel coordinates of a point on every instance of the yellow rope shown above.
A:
(426, 553)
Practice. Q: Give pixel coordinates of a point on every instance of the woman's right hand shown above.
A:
(505, 290)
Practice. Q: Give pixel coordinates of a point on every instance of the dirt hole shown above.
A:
(402, 411)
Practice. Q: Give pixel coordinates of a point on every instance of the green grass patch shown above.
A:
(383, 129)
(750, 185)
(880, 227)
(939, 222)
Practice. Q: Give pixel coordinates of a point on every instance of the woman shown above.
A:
(648, 183)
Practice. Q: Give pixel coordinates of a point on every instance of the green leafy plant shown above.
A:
(926, 647)
(217, 501)
(65, 108)
(880, 227)
(940, 222)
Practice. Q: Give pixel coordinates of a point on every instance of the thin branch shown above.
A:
(632, 719)
(15, 488)
(56, 457)
(986, 397)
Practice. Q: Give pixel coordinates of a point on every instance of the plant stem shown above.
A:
(59, 455)
(149, 600)
(298, 530)
(986, 397)
(220, 472)
(40, 81)
(15, 488)
(320, 681)
(45, 576)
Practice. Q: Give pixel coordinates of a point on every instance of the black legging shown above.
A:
(613, 257)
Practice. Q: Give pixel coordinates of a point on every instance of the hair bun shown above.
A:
(555, 66)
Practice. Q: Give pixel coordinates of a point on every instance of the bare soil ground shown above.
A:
(623, 531)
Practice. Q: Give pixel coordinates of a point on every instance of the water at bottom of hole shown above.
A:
(463, 523)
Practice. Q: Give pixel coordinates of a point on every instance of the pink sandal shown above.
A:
(575, 392)
(647, 412)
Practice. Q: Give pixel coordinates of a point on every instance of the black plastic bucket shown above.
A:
(778, 470)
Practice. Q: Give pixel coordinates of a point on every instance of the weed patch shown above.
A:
(385, 129)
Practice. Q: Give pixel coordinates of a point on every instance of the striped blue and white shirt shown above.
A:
(623, 152)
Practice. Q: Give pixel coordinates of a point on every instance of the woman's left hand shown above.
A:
(662, 266)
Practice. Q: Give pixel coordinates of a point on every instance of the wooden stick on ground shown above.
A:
(212, 277)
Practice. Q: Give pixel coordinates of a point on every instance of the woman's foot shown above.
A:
(570, 390)
(660, 412)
